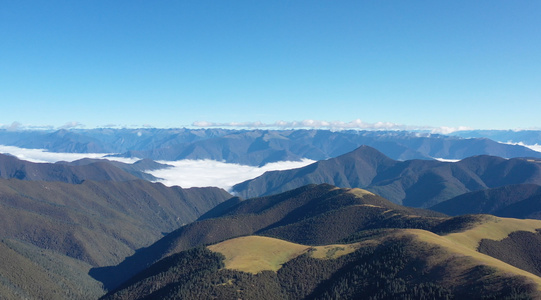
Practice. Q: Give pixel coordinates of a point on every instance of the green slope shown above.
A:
(29, 272)
(55, 232)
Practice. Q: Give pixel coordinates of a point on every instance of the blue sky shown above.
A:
(173, 63)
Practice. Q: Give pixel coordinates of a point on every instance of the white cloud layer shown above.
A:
(201, 173)
(446, 160)
(535, 147)
(184, 173)
(332, 125)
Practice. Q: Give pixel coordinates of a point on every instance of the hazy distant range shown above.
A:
(222, 158)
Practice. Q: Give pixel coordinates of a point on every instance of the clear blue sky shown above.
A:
(173, 63)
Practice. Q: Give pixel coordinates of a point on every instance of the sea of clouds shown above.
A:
(184, 173)
(201, 173)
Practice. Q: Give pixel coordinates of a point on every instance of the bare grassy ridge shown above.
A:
(254, 254)
(494, 228)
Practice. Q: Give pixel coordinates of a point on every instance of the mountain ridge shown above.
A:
(382, 250)
(75, 172)
(417, 183)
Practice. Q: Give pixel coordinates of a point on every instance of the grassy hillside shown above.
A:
(337, 212)
(397, 264)
(254, 254)
(323, 242)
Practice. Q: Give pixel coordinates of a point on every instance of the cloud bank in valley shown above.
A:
(332, 125)
(184, 173)
(535, 147)
(201, 173)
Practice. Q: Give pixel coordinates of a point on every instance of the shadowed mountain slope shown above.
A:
(136, 169)
(512, 201)
(321, 242)
(417, 183)
(53, 233)
(520, 249)
(98, 222)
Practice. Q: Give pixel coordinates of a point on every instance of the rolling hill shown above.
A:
(322, 242)
(416, 183)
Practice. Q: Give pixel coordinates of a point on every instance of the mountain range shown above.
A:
(322, 242)
(355, 224)
(258, 147)
(416, 183)
(528, 137)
